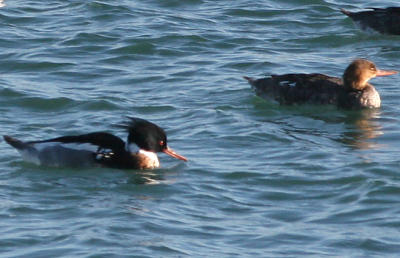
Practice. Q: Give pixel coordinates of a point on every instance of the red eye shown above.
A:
(161, 143)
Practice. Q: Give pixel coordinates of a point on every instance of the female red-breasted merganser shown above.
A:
(382, 20)
(100, 148)
(353, 92)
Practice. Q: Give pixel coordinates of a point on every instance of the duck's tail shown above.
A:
(19, 145)
(249, 79)
(28, 152)
(266, 88)
(348, 13)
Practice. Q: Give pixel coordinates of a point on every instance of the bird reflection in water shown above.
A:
(362, 128)
(146, 178)
(164, 176)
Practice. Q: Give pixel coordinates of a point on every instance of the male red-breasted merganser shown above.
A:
(353, 92)
(382, 20)
(100, 148)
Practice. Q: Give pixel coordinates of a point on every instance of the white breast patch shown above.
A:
(152, 156)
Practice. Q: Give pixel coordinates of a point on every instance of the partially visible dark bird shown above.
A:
(351, 92)
(382, 20)
(100, 148)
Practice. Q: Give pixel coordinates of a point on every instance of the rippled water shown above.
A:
(263, 180)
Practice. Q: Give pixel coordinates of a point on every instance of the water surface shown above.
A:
(263, 180)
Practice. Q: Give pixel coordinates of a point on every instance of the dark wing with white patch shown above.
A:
(299, 88)
(100, 139)
(99, 147)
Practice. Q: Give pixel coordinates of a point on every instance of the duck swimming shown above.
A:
(102, 149)
(351, 92)
(382, 20)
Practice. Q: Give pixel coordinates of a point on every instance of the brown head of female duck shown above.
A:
(351, 92)
(358, 93)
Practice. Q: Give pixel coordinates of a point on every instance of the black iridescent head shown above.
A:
(146, 135)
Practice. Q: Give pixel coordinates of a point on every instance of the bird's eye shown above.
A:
(161, 143)
(372, 68)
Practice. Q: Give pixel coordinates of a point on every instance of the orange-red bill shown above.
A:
(172, 153)
(384, 73)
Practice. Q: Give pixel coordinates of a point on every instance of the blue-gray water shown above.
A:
(263, 180)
